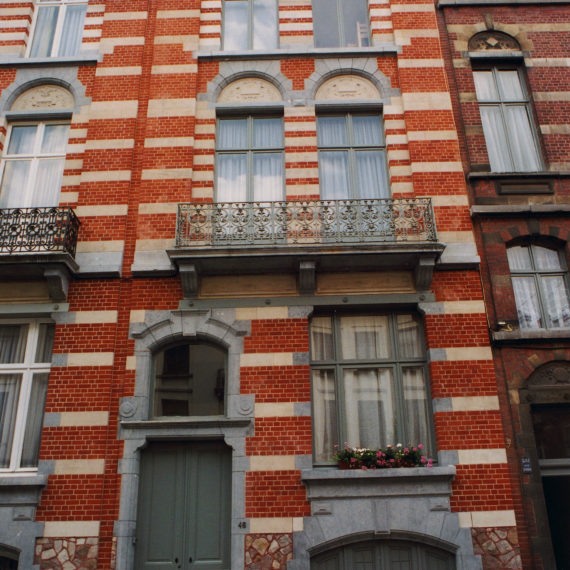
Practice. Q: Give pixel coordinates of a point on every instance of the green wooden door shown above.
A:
(184, 507)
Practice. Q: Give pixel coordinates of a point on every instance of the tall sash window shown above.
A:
(250, 24)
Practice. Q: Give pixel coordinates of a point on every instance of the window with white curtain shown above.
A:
(369, 382)
(32, 165)
(341, 23)
(507, 121)
(58, 28)
(249, 159)
(25, 356)
(250, 24)
(540, 283)
(352, 157)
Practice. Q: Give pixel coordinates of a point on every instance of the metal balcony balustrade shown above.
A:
(305, 222)
(38, 230)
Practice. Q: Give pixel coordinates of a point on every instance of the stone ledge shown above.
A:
(509, 209)
(530, 335)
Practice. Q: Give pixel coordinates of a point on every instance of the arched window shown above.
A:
(540, 283)
(8, 558)
(189, 380)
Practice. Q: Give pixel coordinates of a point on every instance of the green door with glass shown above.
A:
(184, 507)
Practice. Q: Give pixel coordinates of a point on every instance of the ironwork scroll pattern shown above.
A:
(305, 222)
(38, 230)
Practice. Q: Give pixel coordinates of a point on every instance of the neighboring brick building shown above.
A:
(219, 240)
(508, 63)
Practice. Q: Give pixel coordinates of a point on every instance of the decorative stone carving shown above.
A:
(551, 374)
(44, 97)
(491, 39)
(345, 87)
(250, 90)
(128, 408)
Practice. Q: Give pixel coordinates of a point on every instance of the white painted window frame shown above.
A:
(27, 369)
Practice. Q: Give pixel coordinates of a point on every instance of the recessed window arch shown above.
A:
(540, 282)
(190, 379)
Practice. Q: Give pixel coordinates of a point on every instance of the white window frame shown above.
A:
(27, 369)
(250, 25)
(536, 275)
(502, 104)
(28, 193)
(58, 32)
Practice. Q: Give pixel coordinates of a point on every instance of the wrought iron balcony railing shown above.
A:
(38, 230)
(305, 222)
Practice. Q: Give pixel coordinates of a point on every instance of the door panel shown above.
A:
(184, 507)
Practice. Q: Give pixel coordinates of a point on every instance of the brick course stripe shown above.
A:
(75, 419)
(90, 359)
(76, 529)
(482, 456)
(267, 359)
(487, 519)
(274, 410)
(79, 467)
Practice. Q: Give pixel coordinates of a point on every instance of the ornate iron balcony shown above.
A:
(305, 222)
(38, 230)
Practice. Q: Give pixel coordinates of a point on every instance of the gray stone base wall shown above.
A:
(268, 551)
(498, 547)
(66, 553)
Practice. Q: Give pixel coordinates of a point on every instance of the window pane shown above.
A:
(367, 130)
(510, 85)
(235, 25)
(45, 343)
(369, 407)
(324, 415)
(333, 172)
(48, 182)
(321, 339)
(55, 139)
(267, 176)
(485, 86)
(9, 394)
(207, 380)
(365, 338)
(72, 30)
(22, 139)
(325, 23)
(519, 258)
(44, 31)
(354, 22)
(409, 337)
(267, 133)
(232, 134)
(371, 175)
(231, 179)
(14, 184)
(264, 24)
(332, 131)
(546, 259)
(13, 340)
(521, 140)
(495, 139)
(526, 300)
(555, 299)
(415, 406)
(32, 435)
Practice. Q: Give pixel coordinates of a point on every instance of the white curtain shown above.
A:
(371, 174)
(235, 17)
(519, 258)
(333, 172)
(526, 300)
(72, 32)
(264, 24)
(9, 394)
(33, 432)
(44, 32)
(367, 130)
(48, 185)
(546, 259)
(495, 138)
(231, 179)
(409, 337)
(521, 140)
(232, 134)
(369, 407)
(365, 338)
(510, 85)
(13, 340)
(321, 339)
(45, 343)
(14, 182)
(415, 406)
(267, 177)
(324, 415)
(556, 301)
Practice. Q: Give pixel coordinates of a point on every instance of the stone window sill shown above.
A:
(48, 61)
(530, 335)
(21, 489)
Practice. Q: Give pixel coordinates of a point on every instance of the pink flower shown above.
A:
(406, 450)
(353, 459)
(423, 459)
(364, 468)
(415, 449)
(420, 446)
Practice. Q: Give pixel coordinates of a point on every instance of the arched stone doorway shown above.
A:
(545, 421)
